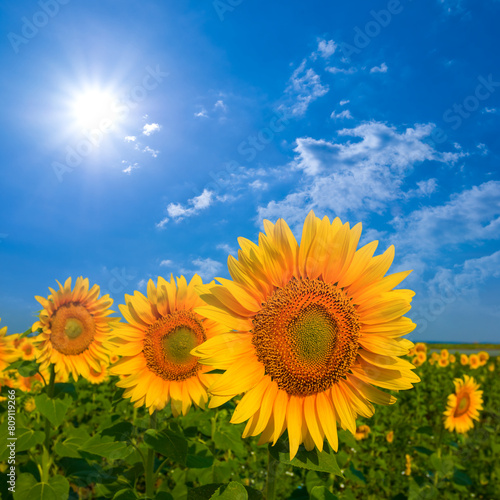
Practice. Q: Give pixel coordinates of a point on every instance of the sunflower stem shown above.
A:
(150, 460)
(272, 466)
(50, 394)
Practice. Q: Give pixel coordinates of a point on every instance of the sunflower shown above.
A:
(156, 342)
(442, 362)
(452, 358)
(310, 330)
(29, 405)
(390, 436)
(362, 432)
(416, 361)
(98, 376)
(28, 349)
(75, 329)
(435, 356)
(464, 359)
(474, 361)
(483, 357)
(420, 347)
(432, 361)
(422, 357)
(7, 353)
(491, 367)
(408, 465)
(444, 353)
(463, 405)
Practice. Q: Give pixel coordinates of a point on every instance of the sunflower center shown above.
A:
(462, 405)
(72, 329)
(168, 343)
(306, 336)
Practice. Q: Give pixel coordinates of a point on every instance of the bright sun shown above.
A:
(93, 106)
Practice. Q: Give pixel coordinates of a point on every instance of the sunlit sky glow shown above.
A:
(142, 139)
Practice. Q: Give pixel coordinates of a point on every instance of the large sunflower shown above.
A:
(463, 405)
(75, 328)
(156, 342)
(314, 328)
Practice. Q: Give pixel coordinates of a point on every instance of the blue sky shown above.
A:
(142, 138)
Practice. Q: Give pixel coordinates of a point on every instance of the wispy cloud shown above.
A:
(166, 263)
(304, 87)
(130, 138)
(150, 128)
(206, 268)
(344, 102)
(153, 152)
(355, 177)
(343, 114)
(326, 48)
(177, 211)
(345, 71)
(379, 69)
(202, 113)
(220, 105)
(129, 167)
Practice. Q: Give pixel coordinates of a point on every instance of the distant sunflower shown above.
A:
(463, 405)
(483, 357)
(28, 349)
(464, 359)
(416, 361)
(474, 362)
(362, 432)
(162, 329)
(435, 356)
(7, 353)
(98, 376)
(422, 357)
(452, 358)
(408, 465)
(420, 347)
(390, 436)
(75, 328)
(443, 362)
(312, 327)
(491, 367)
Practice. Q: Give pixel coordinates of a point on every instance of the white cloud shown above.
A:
(207, 268)
(346, 71)
(202, 113)
(343, 114)
(490, 110)
(166, 263)
(130, 166)
(258, 185)
(326, 48)
(344, 102)
(150, 128)
(226, 249)
(130, 138)
(424, 188)
(470, 216)
(482, 148)
(153, 152)
(178, 212)
(141, 285)
(220, 105)
(303, 88)
(379, 69)
(356, 177)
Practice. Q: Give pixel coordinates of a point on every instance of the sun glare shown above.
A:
(93, 106)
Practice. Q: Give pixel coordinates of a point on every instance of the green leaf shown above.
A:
(28, 438)
(423, 450)
(426, 429)
(107, 447)
(215, 372)
(125, 494)
(355, 475)
(233, 491)
(168, 444)
(461, 478)
(120, 431)
(324, 461)
(70, 446)
(347, 438)
(321, 493)
(27, 488)
(228, 438)
(443, 465)
(199, 456)
(65, 388)
(53, 409)
(28, 368)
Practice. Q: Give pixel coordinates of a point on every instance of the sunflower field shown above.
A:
(293, 380)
